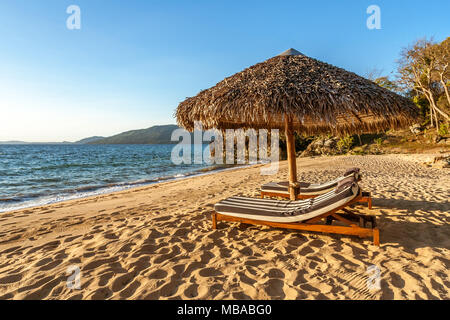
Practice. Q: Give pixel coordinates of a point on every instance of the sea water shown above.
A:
(32, 175)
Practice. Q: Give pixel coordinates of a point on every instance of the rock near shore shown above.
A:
(321, 146)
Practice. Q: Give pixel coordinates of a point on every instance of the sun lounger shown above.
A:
(311, 190)
(302, 214)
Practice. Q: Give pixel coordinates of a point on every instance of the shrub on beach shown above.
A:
(345, 143)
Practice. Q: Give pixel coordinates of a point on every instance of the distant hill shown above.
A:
(12, 142)
(24, 142)
(152, 135)
(89, 140)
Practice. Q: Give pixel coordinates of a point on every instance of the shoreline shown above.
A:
(105, 190)
(132, 186)
(423, 157)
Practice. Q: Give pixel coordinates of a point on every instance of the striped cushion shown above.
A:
(286, 211)
(306, 188)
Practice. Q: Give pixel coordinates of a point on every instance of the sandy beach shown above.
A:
(156, 242)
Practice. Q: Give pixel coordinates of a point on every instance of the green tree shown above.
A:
(423, 68)
(375, 75)
(385, 82)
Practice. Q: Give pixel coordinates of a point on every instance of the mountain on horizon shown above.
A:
(12, 142)
(160, 134)
(89, 139)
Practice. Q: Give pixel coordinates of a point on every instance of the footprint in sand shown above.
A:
(101, 294)
(10, 279)
(158, 274)
(130, 289)
(274, 288)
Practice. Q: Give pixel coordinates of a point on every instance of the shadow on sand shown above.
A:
(411, 226)
(414, 224)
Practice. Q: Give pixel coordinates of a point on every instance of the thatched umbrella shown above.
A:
(297, 93)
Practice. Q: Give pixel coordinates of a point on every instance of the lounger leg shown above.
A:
(369, 203)
(376, 237)
(214, 220)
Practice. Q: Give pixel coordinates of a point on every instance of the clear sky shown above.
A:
(133, 61)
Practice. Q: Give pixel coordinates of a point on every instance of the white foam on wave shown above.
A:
(42, 201)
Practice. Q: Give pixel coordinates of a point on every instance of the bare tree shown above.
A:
(441, 54)
(373, 74)
(376, 76)
(420, 69)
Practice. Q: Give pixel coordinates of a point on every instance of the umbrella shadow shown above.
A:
(414, 224)
(411, 206)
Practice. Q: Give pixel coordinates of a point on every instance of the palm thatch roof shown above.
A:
(316, 96)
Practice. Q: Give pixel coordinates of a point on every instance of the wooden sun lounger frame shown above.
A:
(365, 196)
(356, 224)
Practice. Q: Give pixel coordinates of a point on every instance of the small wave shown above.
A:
(40, 180)
(26, 201)
(10, 199)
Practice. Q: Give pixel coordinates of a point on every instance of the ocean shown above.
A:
(32, 175)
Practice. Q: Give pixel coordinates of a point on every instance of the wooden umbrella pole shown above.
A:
(292, 164)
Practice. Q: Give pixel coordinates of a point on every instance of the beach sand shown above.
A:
(156, 242)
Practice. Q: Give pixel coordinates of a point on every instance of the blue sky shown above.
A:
(133, 61)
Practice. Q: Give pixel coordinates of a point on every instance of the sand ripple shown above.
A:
(157, 243)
